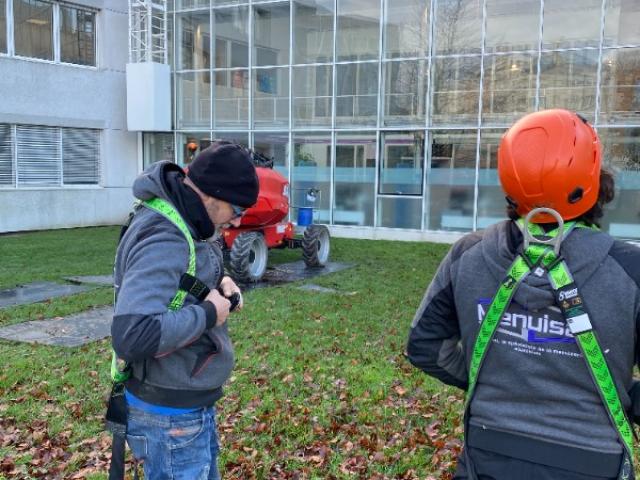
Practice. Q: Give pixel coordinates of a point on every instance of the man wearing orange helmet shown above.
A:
(536, 317)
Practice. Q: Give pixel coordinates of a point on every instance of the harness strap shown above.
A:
(539, 258)
(168, 211)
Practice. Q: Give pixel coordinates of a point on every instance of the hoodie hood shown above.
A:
(151, 183)
(584, 251)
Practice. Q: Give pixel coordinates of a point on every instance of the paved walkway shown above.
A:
(85, 327)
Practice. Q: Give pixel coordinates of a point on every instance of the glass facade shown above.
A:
(394, 109)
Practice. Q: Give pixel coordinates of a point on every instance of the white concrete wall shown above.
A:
(43, 93)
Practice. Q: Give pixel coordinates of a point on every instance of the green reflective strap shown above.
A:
(117, 375)
(559, 277)
(598, 368)
(167, 210)
(518, 271)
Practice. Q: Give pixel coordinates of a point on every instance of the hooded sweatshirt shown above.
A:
(534, 399)
(178, 358)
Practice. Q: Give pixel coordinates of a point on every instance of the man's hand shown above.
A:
(222, 306)
(229, 287)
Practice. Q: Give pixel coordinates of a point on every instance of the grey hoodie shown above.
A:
(534, 390)
(178, 358)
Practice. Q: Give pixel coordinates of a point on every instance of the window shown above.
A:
(399, 212)
(276, 146)
(77, 36)
(405, 92)
(39, 156)
(185, 154)
(193, 99)
(401, 163)
(451, 180)
(571, 23)
(232, 37)
(568, 80)
(195, 39)
(231, 107)
(312, 90)
(509, 87)
(313, 31)
(48, 31)
(80, 156)
(357, 94)
(621, 154)
(620, 87)
(271, 97)
(512, 25)
(458, 27)
(311, 170)
(491, 202)
(7, 176)
(456, 90)
(3, 26)
(271, 35)
(358, 30)
(621, 23)
(406, 31)
(354, 178)
(33, 28)
(157, 147)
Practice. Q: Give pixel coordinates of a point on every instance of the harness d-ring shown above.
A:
(529, 237)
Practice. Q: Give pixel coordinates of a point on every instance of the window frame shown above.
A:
(56, 35)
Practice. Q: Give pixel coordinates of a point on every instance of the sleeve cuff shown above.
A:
(211, 314)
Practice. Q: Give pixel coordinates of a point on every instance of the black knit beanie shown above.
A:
(225, 171)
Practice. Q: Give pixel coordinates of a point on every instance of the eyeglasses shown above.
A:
(237, 211)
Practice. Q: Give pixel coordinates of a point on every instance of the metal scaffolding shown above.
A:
(147, 31)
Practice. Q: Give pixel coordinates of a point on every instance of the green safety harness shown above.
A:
(116, 417)
(167, 210)
(538, 258)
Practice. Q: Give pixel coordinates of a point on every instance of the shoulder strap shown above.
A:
(168, 211)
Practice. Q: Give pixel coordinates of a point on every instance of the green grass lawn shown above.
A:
(320, 390)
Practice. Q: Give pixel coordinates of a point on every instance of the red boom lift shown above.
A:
(265, 226)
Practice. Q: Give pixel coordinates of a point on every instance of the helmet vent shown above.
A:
(576, 195)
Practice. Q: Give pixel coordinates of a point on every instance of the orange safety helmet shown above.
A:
(550, 159)
(192, 146)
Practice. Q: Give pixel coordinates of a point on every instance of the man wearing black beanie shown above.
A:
(171, 333)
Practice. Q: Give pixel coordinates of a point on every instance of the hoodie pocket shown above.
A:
(205, 350)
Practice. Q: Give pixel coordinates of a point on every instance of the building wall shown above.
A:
(394, 109)
(44, 93)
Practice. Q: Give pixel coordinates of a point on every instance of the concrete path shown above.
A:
(38, 292)
(95, 324)
(71, 331)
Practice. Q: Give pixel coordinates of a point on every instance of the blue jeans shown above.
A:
(175, 447)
